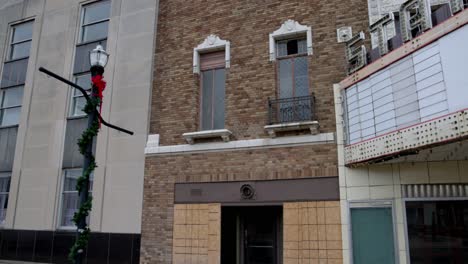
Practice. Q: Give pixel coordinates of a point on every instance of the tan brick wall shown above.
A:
(252, 77)
(162, 172)
(197, 234)
(312, 233)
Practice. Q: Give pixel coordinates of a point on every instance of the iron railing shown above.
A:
(294, 109)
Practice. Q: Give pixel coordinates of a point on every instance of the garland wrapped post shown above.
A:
(85, 144)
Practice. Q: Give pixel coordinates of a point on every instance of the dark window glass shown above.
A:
(438, 232)
(20, 42)
(95, 21)
(293, 71)
(291, 47)
(96, 12)
(293, 81)
(4, 191)
(70, 197)
(78, 100)
(94, 32)
(10, 105)
(212, 99)
(22, 32)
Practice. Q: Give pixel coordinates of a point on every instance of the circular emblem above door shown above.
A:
(247, 192)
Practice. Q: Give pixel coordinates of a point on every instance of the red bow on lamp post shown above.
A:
(100, 84)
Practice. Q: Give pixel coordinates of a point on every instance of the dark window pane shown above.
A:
(14, 73)
(78, 104)
(70, 198)
(96, 12)
(285, 78)
(20, 50)
(292, 47)
(83, 81)
(10, 116)
(207, 100)
(282, 49)
(69, 206)
(301, 80)
(3, 207)
(22, 32)
(5, 183)
(219, 94)
(12, 97)
(94, 32)
(438, 231)
(302, 46)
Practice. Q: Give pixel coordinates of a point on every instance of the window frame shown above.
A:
(3, 108)
(426, 199)
(292, 56)
(5, 175)
(82, 24)
(74, 97)
(200, 118)
(72, 114)
(61, 197)
(9, 59)
(11, 43)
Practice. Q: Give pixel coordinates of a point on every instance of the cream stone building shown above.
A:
(41, 119)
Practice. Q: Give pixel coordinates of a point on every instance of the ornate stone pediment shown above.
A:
(287, 29)
(211, 43)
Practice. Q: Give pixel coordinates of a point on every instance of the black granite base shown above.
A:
(53, 247)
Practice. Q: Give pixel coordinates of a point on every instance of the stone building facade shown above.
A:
(41, 120)
(241, 162)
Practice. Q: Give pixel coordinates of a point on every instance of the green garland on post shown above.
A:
(88, 135)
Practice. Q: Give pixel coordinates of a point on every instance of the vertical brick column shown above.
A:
(196, 238)
(312, 233)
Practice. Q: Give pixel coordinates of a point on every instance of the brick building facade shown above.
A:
(202, 199)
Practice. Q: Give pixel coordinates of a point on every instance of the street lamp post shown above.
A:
(98, 60)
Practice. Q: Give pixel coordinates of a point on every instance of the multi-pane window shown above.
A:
(293, 81)
(95, 21)
(70, 197)
(20, 44)
(14, 73)
(292, 68)
(10, 105)
(212, 80)
(78, 100)
(4, 190)
(93, 31)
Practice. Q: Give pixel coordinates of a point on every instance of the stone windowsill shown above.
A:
(313, 126)
(224, 134)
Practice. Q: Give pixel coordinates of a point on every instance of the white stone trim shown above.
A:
(222, 133)
(153, 148)
(311, 125)
(290, 28)
(211, 43)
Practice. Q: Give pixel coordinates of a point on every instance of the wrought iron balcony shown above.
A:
(290, 110)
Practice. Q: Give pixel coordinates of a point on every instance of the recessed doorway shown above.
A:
(251, 235)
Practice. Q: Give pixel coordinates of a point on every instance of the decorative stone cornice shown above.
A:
(211, 43)
(290, 28)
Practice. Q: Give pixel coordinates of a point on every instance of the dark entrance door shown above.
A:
(251, 235)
